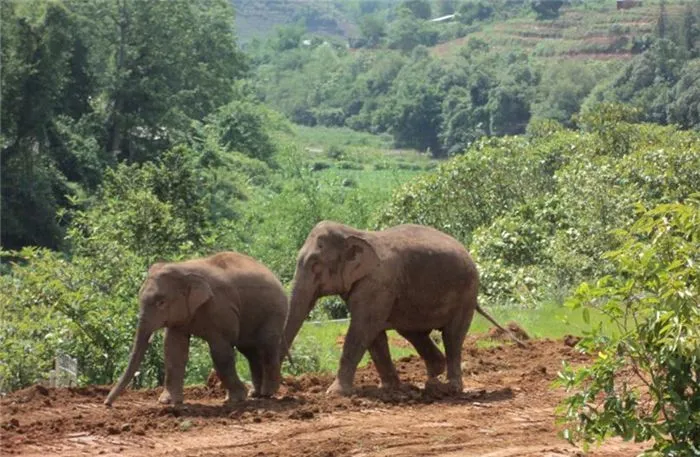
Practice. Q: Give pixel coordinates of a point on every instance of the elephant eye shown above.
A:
(158, 301)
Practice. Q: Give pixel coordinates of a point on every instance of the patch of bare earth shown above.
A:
(507, 409)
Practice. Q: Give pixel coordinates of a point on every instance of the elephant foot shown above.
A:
(394, 384)
(259, 394)
(235, 397)
(455, 386)
(166, 398)
(338, 390)
(433, 385)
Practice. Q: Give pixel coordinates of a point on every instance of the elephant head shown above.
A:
(168, 297)
(332, 260)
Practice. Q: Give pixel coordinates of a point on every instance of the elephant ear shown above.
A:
(359, 259)
(155, 268)
(198, 293)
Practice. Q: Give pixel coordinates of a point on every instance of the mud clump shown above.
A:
(571, 340)
(304, 414)
(498, 334)
(32, 393)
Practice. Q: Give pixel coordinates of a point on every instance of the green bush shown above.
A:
(643, 383)
(85, 304)
(336, 152)
(243, 126)
(469, 191)
(345, 165)
(319, 165)
(306, 358)
(538, 211)
(349, 182)
(333, 307)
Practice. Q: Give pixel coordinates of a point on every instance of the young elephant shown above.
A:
(229, 300)
(410, 278)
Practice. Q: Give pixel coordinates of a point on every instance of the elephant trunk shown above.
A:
(302, 300)
(137, 353)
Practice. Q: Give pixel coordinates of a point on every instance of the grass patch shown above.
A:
(324, 137)
(549, 321)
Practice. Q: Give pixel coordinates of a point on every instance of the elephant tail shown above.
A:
(493, 321)
(288, 351)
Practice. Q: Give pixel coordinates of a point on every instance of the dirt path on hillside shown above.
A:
(507, 409)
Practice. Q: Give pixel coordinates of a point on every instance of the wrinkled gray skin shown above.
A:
(410, 278)
(230, 300)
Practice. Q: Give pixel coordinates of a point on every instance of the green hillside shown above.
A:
(259, 18)
(592, 30)
(486, 70)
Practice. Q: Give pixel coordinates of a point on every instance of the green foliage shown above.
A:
(564, 88)
(685, 98)
(654, 82)
(642, 384)
(242, 126)
(472, 11)
(84, 307)
(546, 9)
(469, 191)
(420, 9)
(537, 212)
(85, 304)
(45, 85)
(88, 84)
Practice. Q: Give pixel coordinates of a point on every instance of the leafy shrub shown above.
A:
(409, 166)
(335, 152)
(349, 182)
(333, 307)
(643, 382)
(381, 166)
(85, 307)
(546, 9)
(319, 165)
(538, 211)
(85, 304)
(306, 358)
(469, 191)
(243, 126)
(345, 165)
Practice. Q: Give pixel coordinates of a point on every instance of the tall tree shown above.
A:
(690, 31)
(85, 84)
(163, 63)
(662, 20)
(45, 80)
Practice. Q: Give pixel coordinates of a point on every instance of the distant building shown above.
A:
(627, 4)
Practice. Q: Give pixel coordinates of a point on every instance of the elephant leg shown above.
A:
(224, 359)
(379, 350)
(176, 345)
(271, 376)
(357, 341)
(453, 338)
(256, 368)
(429, 352)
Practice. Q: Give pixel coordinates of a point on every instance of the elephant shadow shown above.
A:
(261, 409)
(409, 394)
(251, 407)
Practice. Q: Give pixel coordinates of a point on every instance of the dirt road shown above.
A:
(507, 409)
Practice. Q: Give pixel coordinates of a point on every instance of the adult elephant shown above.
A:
(410, 278)
(230, 300)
